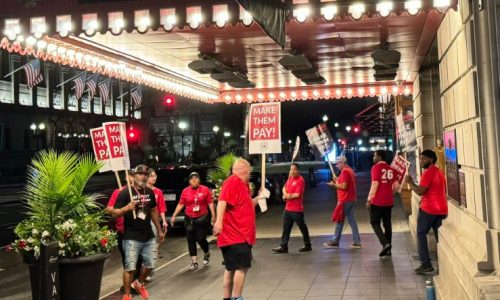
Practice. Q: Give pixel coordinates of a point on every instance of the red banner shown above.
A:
(115, 133)
(400, 165)
(265, 128)
(100, 146)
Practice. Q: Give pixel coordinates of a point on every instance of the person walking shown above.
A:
(235, 228)
(293, 195)
(380, 200)
(196, 199)
(138, 237)
(346, 197)
(162, 209)
(433, 206)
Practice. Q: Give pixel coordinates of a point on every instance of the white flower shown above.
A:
(45, 234)
(30, 241)
(61, 245)
(62, 252)
(34, 231)
(36, 249)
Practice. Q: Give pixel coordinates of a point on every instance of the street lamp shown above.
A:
(325, 118)
(182, 126)
(348, 128)
(360, 142)
(38, 133)
(227, 134)
(216, 129)
(336, 125)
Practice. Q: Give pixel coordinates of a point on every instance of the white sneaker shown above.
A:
(193, 266)
(149, 279)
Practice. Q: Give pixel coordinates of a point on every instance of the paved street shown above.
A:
(321, 274)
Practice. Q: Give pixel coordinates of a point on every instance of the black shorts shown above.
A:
(237, 256)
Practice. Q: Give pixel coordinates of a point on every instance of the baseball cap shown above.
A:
(194, 174)
(341, 159)
(141, 169)
(131, 172)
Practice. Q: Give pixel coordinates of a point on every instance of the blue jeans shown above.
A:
(425, 222)
(134, 249)
(349, 215)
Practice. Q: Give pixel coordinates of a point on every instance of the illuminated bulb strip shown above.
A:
(338, 93)
(112, 68)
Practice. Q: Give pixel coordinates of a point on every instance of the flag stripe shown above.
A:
(104, 89)
(33, 73)
(136, 96)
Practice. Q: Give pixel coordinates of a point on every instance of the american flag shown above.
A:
(104, 89)
(92, 86)
(80, 84)
(136, 95)
(33, 74)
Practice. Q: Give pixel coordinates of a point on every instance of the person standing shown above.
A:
(433, 206)
(138, 237)
(197, 199)
(293, 195)
(380, 200)
(162, 209)
(235, 228)
(346, 197)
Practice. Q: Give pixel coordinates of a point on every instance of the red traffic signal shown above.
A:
(169, 100)
(356, 129)
(132, 135)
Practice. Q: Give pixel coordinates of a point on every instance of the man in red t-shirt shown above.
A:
(346, 197)
(293, 195)
(433, 206)
(380, 200)
(235, 228)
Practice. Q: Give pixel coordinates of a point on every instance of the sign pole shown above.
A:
(263, 172)
(129, 190)
(118, 179)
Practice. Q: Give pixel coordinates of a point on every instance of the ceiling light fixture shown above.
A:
(413, 6)
(385, 8)
(357, 10)
(301, 13)
(329, 12)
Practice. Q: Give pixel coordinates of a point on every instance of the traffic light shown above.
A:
(356, 129)
(169, 102)
(133, 135)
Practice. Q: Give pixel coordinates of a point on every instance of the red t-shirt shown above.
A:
(295, 185)
(120, 227)
(192, 198)
(434, 200)
(349, 194)
(385, 176)
(239, 218)
(160, 200)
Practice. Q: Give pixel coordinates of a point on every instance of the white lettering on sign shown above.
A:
(265, 110)
(118, 151)
(263, 133)
(264, 121)
(99, 134)
(54, 290)
(114, 129)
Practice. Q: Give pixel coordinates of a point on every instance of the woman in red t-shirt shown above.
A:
(196, 199)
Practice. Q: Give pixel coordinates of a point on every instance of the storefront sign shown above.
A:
(101, 150)
(49, 271)
(115, 133)
(320, 139)
(265, 128)
(450, 152)
(407, 139)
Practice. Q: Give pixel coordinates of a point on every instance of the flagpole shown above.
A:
(121, 96)
(16, 70)
(70, 79)
(130, 91)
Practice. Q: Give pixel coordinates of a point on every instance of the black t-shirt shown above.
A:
(137, 229)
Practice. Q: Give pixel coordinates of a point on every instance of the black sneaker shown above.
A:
(306, 248)
(331, 244)
(424, 269)
(387, 248)
(280, 250)
(206, 259)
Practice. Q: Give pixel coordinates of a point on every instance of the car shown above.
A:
(172, 181)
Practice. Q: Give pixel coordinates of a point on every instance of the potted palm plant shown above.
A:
(59, 210)
(220, 172)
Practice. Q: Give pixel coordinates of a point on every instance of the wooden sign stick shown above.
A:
(129, 190)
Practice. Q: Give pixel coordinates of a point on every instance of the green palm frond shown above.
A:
(222, 168)
(55, 184)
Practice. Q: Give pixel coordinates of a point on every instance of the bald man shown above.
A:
(235, 228)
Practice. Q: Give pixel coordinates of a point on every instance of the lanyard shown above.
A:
(141, 196)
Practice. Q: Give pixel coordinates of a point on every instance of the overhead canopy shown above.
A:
(329, 46)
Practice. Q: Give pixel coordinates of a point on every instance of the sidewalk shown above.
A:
(321, 274)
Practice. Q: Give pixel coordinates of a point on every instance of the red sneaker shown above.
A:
(140, 289)
(127, 297)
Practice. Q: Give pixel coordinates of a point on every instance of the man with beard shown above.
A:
(138, 237)
(433, 206)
